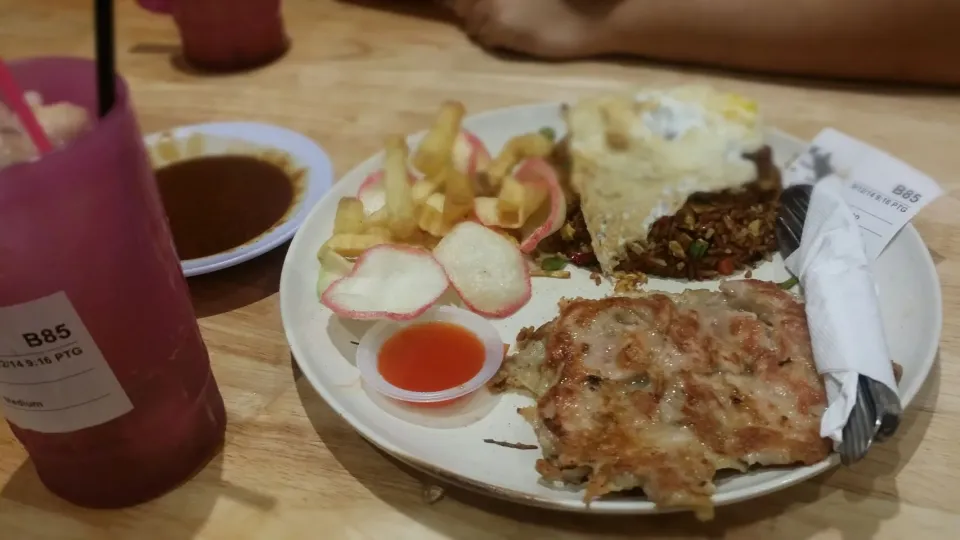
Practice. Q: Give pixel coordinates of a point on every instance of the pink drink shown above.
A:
(103, 375)
(226, 35)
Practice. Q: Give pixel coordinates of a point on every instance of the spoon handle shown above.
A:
(889, 409)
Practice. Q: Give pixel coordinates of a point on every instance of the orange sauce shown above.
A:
(431, 356)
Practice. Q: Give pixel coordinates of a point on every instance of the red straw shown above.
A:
(13, 95)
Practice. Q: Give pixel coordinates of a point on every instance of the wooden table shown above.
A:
(291, 468)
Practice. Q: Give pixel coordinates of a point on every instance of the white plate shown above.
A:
(909, 297)
(226, 137)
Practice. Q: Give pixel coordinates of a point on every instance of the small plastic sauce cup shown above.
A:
(368, 352)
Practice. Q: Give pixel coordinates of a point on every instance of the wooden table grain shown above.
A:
(291, 468)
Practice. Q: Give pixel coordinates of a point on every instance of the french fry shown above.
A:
(377, 219)
(458, 192)
(506, 234)
(352, 245)
(349, 217)
(485, 208)
(332, 268)
(518, 200)
(431, 218)
(426, 187)
(516, 150)
(323, 252)
(430, 241)
(556, 274)
(379, 230)
(401, 212)
(434, 151)
(331, 261)
(424, 240)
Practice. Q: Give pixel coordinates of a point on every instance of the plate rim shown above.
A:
(625, 506)
(318, 184)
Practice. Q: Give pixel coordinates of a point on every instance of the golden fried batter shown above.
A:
(659, 391)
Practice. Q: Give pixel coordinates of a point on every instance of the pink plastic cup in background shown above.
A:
(104, 377)
(226, 35)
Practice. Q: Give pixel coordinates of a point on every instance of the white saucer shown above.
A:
(303, 152)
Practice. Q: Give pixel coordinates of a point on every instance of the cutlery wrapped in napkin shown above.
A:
(861, 197)
(843, 310)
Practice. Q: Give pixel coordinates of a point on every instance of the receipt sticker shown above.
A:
(883, 192)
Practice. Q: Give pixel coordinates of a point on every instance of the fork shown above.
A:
(877, 410)
(861, 427)
(875, 418)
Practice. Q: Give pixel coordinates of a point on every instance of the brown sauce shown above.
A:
(217, 203)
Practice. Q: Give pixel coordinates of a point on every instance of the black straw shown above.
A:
(103, 32)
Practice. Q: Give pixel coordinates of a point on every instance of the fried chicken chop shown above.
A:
(660, 391)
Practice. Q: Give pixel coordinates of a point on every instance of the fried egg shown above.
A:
(637, 156)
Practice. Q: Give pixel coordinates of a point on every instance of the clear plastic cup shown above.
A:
(368, 352)
(104, 376)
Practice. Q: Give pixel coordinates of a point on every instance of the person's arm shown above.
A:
(897, 40)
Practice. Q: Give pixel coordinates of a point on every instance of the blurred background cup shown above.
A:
(226, 35)
(104, 377)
